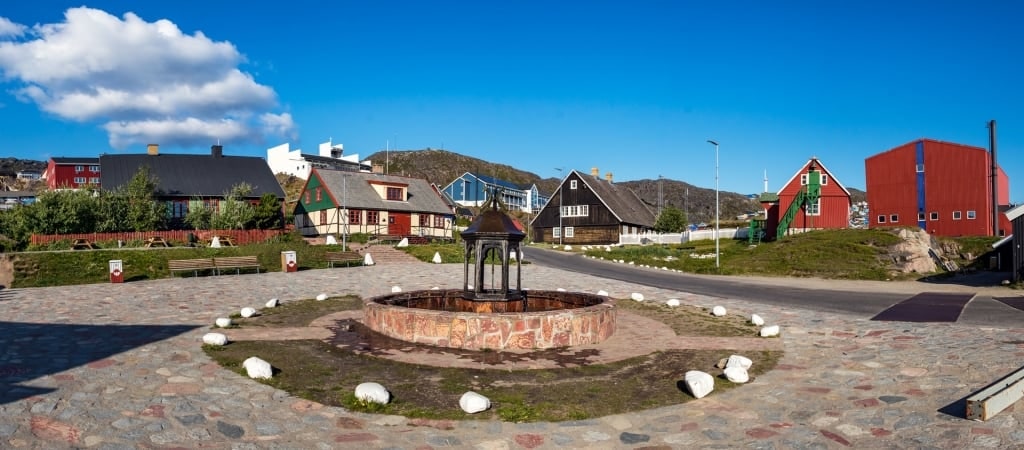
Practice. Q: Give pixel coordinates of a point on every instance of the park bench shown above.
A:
(342, 257)
(195, 265)
(237, 263)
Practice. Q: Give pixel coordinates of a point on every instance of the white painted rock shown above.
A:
(248, 312)
(396, 289)
(738, 361)
(632, 263)
(472, 403)
(736, 374)
(637, 296)
(258, 368)
(331, 240)
(602, 293)
(321, 297)
(223, 322)
(215, 339)
(373, 392)
(756, 320)
(699, 383)
(435, 288)
(560, 289)
(607, 248)
(403, 243)
(272, 303)
(672, 302)
(367, 260)
(512, 255)
(437, 258)
(568, 248)
(718, 311)
(770, 331)
(215, 242)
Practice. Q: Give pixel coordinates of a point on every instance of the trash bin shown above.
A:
(116, 271)
(288, 262)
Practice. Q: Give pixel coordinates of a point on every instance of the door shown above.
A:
(400, 224)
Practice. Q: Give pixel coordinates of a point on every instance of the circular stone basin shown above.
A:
(443, 318)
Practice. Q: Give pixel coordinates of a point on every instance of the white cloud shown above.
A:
(8, 28)
(147, 82)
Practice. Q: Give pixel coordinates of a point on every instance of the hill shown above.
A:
(441, 167)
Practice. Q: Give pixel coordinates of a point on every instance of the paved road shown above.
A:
(120, 367)
(859, 298)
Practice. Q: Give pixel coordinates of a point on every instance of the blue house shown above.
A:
(471, 189)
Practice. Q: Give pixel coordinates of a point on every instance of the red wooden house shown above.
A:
(812, 199)
(72, 173)
(941, 187)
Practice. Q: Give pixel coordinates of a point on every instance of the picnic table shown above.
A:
(156, 241)
(82, 244)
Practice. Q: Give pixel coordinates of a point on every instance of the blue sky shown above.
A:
(633, 88)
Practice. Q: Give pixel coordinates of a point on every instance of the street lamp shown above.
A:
(559, 169)
(717, 264)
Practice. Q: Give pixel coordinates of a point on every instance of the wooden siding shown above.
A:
(955, 178)
(309, 224)
(834, 209)
(586, 230)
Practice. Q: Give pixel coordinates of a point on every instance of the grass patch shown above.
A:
(328, 374)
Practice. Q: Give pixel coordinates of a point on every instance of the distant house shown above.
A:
(343, 202)
(72, 173)
(29, 174)
(941, 187)
(473, 189)
(590, 210)
(281, 159)
(812, 199)
(186, 181)
(10, 199)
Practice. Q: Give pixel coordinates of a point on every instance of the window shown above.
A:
(323, 217)
(893, 218)
(79, 180)
(933, 216)
(94, 180)
(438, 221)
(971, 215)
(395, 194)
(956, 215)
(307, 197)
(353, 217)
(572, 184)
(803, 179)
(814, 209)
(881, 219)
(576, 211)
(920, 168)
(556, 232)
(372, 217)
(424, 220)
(94, 168)
(568, 232)
(319, 193)
(824, 179)
(178, 209)
(79, 168)
(920, 216)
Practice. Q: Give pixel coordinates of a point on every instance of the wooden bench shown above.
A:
(195, 265)
(342, 257)
(237, 263)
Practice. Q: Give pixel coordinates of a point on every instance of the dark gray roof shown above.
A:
(357, 192)
(63, 160)
(192, 175)
(621, 200)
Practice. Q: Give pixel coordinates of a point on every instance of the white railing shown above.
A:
(680, 238)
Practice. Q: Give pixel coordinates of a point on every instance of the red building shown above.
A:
(72, 173)
(812, 199)
(941, 187)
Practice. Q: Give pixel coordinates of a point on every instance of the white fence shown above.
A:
(680, 238)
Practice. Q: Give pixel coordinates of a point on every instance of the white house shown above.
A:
(282, 159)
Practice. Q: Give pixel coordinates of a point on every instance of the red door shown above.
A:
(400, 224)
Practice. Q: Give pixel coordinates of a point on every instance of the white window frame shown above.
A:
(815, 208)
(79, 180)
(79, 168)
(803, 179)
(94, 180)
(94, 168)
(921, 216)
(572, 184)
(881, 218)
(824, 179)
(934, 215)
(919, 168)
(957, 215)
(894, 218)
(575, 210)
(971, 215)
(569, 232)
(556, 232)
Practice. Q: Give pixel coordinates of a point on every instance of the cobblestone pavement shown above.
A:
(120, 367)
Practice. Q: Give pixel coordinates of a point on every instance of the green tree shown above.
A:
(267, 214)
(671, 220)
(63, 212)
(144, 212)
(112, 212)
(199, 215)
(235, 213)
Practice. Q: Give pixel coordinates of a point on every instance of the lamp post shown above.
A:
(717, 264)
(559, 169)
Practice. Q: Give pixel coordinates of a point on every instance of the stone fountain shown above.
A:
(489, 312)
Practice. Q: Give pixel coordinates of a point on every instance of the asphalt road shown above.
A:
(861, 299)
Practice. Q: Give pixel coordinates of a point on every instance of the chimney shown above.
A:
(153, 149)
(594, 172)
(378, 168)
(217, 151)
(608, 177)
